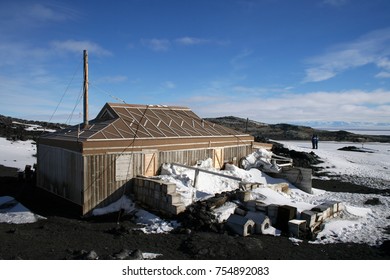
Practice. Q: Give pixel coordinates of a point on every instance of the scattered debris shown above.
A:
(266, 161)
(199, 216)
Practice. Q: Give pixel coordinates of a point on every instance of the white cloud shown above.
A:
(158, 45)
(19, 54)
(78, 46)
(240, 61)
(352, 105)
(44, 12)
(17, 17)
(169, 85)
(259, 91)
(383, 74)
(39, 96)
(190, 41)
(384, 63)
(372, 48)
(161, 45)
(318, 74)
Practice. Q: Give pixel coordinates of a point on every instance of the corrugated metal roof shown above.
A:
(129, 121)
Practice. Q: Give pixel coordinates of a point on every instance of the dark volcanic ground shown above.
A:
(64, 235)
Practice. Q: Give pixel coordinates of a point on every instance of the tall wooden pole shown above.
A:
(86, 123)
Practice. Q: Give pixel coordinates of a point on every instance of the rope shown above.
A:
(131, 145)
(108, 94)
(63, 95)
(78, 100)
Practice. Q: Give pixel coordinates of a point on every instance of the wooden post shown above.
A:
(86, 123)
(196, 177)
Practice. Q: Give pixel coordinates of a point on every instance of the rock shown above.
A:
(91, 255)
(80, 253)
(216, 201)
(136, 255)
(203, 251)
(12, 230)
(84, 255)
(119, 230)
(354, 149)
(123, 254)
(373, 201)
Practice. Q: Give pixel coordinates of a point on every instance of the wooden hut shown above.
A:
(90, 164)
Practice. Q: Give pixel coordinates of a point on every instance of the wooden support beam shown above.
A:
(197, 170)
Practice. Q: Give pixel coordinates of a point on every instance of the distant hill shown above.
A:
(19, 129)
(264, 132)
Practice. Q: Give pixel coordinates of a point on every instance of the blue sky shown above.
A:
(302, 61)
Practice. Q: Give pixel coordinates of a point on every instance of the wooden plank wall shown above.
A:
(100, 178)
(187, 157)
(236, 152)
(100, 182)
(190, 157)
(60, 171)
(90, 180)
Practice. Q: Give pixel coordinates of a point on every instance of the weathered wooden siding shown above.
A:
(233, 154)
(95, 180)
(102, 184)
(60, 171)
(187, 157)
(190, 157)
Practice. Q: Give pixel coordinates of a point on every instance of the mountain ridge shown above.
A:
(15, 129)
(264, 132)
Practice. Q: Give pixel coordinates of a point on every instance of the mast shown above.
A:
(86, 123)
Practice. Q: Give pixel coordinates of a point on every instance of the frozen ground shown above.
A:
(11, 211)
(358, 223)
(17, 154)
(371, 168)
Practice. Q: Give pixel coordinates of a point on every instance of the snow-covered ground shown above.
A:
(13, 212)
(17, 154)
(362, 168)
(359, 223)
(34, 127)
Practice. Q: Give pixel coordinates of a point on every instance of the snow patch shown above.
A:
(13, 212)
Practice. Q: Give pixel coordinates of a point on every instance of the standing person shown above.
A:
(313, 144)
(315, 141)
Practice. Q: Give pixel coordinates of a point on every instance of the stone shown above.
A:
(310, 217)
(297, 228)
(136, 255)
(91, 255)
